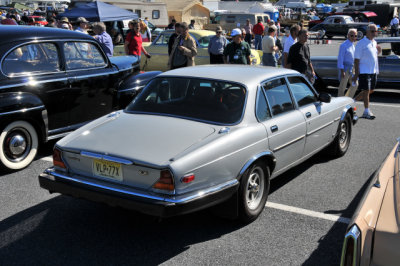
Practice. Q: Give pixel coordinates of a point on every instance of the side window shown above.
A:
(278, 96)
(266, 18)
(31, 58)
(262, 111)
(80, 55)
(302, 93)
(204, 41)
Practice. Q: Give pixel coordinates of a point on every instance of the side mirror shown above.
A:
(325, 97)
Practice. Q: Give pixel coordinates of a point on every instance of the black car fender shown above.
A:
(133, 85)
(24, 106)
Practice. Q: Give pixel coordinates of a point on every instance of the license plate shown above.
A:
(107, 169)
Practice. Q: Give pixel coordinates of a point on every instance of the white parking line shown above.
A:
(320, 215)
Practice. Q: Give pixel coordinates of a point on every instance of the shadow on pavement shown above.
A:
(324, 254)
(68, 231)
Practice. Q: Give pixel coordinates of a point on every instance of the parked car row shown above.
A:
(389, 61)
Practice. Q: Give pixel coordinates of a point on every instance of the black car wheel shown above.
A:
(18, 145)
(253, 191)
(341, 143)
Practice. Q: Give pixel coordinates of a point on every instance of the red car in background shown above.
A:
(37, 21)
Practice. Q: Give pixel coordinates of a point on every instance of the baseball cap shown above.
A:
(236, 32)
(82, 20)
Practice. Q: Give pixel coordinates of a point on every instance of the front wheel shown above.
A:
(18, 145)
(253, 192)
(341, 143)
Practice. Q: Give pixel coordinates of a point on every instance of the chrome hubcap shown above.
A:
(17, 144)
(255, 188)
(343, 134)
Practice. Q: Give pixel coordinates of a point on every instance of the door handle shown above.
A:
(308, 114)
(274, 128)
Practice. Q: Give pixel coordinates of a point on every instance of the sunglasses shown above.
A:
(352, 35)
(373, 30)
(219, 31)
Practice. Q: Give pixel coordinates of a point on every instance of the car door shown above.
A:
(319, 117)
(92, 81)
(286, 129)
(35, 68)
(389, 69)
(159, 53)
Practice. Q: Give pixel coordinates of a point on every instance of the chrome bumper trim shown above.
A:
(186, 199)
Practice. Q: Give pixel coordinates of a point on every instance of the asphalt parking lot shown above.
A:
(303, 223)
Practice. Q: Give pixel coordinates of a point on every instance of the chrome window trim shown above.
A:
(36, 82)
(309, 85)
(23, 110)
(174, 200)
(28, 43)
(98, 156)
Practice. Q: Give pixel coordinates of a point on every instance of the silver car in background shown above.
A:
(199, 136)
(389, 66)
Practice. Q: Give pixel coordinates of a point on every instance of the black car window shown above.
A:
(278, 96)
(31, 58)
(302, 93)
(204, 41)
(217, 102)
(262, 111)
(82, 55)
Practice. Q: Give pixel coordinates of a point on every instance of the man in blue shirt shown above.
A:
(345, 61)
(104, 38)
(216, 47)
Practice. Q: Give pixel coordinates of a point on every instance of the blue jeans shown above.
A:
(269, 60)
(257, 42)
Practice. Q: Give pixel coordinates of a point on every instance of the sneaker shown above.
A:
(370, 113)
(368, 116)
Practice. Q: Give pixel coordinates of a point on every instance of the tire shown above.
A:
(253, 192)
(341, 143)
(18, 145)
(360, 35)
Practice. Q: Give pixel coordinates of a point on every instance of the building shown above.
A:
(186, 10)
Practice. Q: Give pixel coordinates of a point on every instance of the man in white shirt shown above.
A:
(346, 61)
(394, 27)
(366, 67)
(292, 39)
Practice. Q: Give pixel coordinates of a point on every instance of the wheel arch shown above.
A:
(26, 107)
(348, 109)
(267, 157)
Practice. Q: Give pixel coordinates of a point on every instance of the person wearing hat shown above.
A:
(67, 26)
(83, 25)
(237, 51)
(258, 31)
(216, 47)
(184, 49)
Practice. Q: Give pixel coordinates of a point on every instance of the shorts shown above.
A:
(367, 82)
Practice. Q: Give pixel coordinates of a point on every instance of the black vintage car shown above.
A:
(339, 25)
(53, 81)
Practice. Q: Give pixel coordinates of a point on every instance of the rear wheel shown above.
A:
(18, 145)
(253, 192)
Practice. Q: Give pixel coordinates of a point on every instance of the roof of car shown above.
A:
(18, 33)
(339, 16)
(244, 74)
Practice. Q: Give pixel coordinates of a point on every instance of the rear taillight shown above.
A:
(57, 159)
(166, 181)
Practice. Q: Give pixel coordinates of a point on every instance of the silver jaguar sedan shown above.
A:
(201, 136)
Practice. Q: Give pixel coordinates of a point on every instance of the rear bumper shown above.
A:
(157, 205)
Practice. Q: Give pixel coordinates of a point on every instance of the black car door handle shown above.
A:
(308, 114)
(274, 128)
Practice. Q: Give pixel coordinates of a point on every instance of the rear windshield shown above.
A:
(216, 102)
